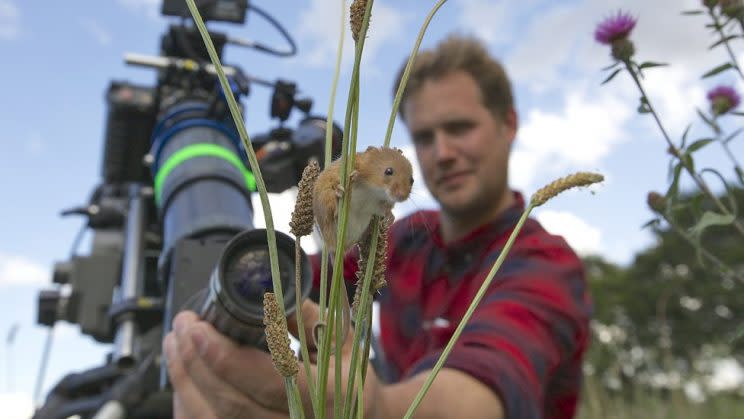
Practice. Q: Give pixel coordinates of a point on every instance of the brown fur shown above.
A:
(372, 192)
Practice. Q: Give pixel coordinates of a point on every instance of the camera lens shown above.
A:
(234, 301)
(247, 274)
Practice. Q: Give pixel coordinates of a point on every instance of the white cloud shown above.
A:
(151, 8)
(493, 21)
(10, 17)
(16, 405)
(542, 51)
(96, 30)
(20, 270)
(319, 30)
(556, 54)
(580, 134)
(583, 238)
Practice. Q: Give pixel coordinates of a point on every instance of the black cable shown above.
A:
(280, 28)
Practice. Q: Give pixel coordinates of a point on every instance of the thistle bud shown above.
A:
(656, 202)
(622, 49)
(733, 8)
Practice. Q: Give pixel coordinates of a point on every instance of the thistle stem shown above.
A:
(707, 254)
(695, 177)
(719, 29)
(471, 309)
(728, 152)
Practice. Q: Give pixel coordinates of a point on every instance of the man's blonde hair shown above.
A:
(460, 53)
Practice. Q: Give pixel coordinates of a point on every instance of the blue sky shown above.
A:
(58, 63)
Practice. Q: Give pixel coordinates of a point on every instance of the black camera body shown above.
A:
(214, 10)
(172, 221)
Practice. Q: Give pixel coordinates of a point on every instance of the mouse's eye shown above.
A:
(389, 171)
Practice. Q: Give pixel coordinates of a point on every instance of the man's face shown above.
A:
(462, 148)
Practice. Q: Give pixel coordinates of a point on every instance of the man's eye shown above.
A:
(459, 127)
(422, 139)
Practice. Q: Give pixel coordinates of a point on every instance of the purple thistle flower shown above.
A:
(723, 99)
(614, 28)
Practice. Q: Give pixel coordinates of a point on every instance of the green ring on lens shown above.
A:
(201, 150)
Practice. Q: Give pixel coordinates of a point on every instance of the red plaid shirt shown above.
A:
(529, 333)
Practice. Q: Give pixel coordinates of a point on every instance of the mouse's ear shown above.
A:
(370, 148)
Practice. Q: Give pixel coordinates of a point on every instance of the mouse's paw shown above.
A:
(339, 191)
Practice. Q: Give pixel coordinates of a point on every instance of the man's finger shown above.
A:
(224, 397)
(188, 401)
(248, 369)
(310, 317)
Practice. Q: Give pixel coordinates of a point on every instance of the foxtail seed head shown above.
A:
(378, 272)
(301, 223)
(277, 338)
(356, 11)
(557, 186)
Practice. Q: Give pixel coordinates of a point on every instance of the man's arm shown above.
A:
(453, 394)
(214, 378)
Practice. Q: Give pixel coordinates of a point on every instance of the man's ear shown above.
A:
(511, 123)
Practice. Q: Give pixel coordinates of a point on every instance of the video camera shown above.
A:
(172, 219)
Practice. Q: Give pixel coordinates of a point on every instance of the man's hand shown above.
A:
(215, 378)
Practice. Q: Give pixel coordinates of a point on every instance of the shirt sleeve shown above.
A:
(532, 321)
(350, 267)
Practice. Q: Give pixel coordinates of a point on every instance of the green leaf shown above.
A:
(689, 162)
(673, 190)
(611, 76)
(692, 12)
(733, 135)
(729, 191)
(643, 107)
(740, 173)
(610, 67)
(738, 334)
(720, 68)
(650, 64)
(653, 223)
(723, 40)
(697, 145)
(707, 120)
(710, 219)
(684, 135)
(696, 204)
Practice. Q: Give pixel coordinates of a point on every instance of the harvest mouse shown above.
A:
(381, 177)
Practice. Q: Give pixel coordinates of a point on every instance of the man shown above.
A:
(520, 355)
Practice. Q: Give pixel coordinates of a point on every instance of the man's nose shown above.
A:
(444, 147)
